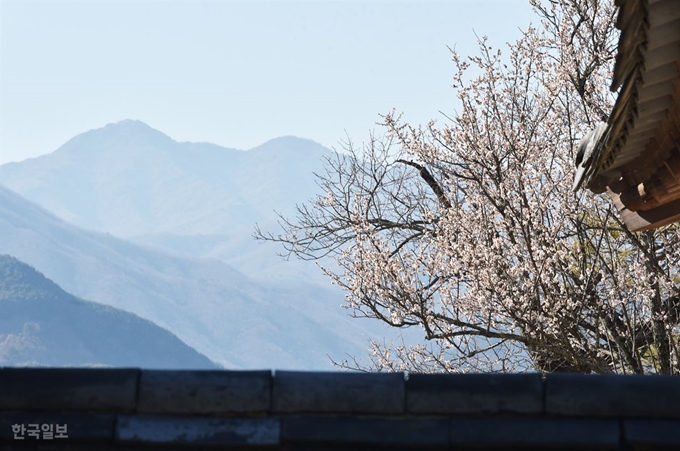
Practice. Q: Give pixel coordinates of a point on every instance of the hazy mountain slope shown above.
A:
(232, 319)
(41, 324)
(257, 259)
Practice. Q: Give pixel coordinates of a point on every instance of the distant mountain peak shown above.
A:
(129, 123)
(289, 143)
(123, 135)
(131, 126)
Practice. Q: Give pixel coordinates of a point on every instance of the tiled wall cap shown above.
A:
(82, 389)
(204, 392)
(474, 393)
(613, 395)
(302, 392)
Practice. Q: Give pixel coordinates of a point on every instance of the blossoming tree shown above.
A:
(471, 231)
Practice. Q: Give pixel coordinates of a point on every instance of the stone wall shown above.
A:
(132, 409)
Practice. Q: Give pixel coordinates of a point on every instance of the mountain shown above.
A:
(194, 200)
(128, 179)
(41, 324)
(234, 320)
(190, 210)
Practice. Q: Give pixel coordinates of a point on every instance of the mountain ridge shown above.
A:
(232, 319)
(41, 324)
(129, 179)
(190, 210)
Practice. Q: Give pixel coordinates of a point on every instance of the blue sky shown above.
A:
(232, 73)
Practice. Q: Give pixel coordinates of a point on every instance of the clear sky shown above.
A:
(232, 73)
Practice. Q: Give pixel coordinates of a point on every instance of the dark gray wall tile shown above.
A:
(197, 431)
(534, 432)
(474, 393)
(652, 433)
(365, 430)
(302, 392)
(68, 389)
(612, 395)
(204, 391)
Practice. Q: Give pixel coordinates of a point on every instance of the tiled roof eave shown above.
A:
(646, 68)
